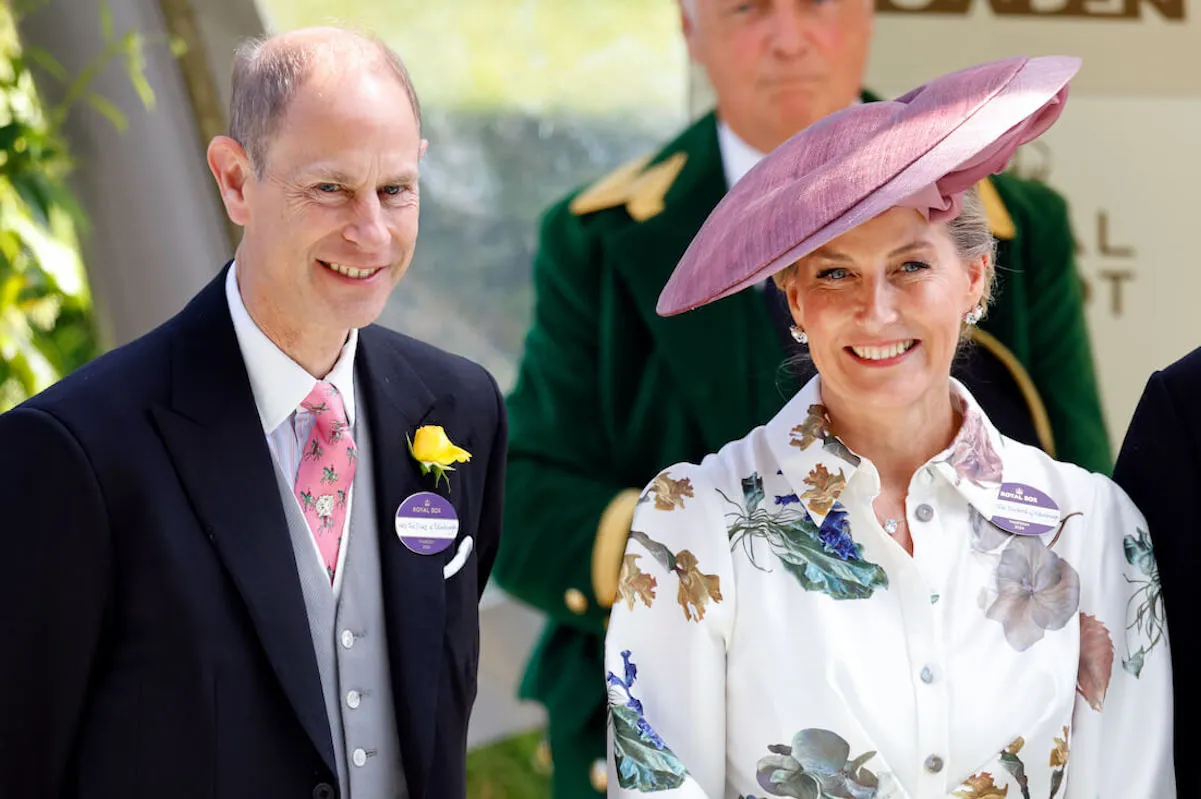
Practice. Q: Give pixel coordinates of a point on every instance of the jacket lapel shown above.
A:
(735, 330)
(215, 439)
(397, 402)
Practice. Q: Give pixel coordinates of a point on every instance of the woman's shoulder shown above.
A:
(727, 467)
(1071, 488)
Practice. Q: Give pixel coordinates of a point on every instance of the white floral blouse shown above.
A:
(770, 639)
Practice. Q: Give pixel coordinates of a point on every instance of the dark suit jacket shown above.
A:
(158, 639)
(1159, 466)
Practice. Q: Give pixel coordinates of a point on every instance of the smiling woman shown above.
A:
(981, 590)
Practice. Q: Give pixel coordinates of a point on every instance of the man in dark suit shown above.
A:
(230, 575)
(609, 393)
(1159, 466)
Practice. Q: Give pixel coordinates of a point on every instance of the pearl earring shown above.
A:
(798, 335)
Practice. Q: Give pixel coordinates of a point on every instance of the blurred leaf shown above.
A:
(106, 20)
(46, 326)
(52, 65)
(179, 46)
(135, 66)
(110, 111)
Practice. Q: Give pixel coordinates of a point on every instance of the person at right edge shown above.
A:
(608, 393)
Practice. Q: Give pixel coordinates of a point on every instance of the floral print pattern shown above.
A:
(1035, 590)
(1096, 661)
(816, 427)
(1145, 611)
(668, 494)
(972, 454)
(982, 785)
(1030, 630)
(696, 588)
(817, 766)
(824, 488)
(825, 558)
(644, 762)
(633, 583)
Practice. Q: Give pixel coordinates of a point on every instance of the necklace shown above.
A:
(890, 526)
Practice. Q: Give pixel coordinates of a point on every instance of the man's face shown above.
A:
(778, 66)
(331, 224)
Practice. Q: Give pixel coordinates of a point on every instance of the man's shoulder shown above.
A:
(119, 381)
(639, 189)
(443, 371)
(1183, 377)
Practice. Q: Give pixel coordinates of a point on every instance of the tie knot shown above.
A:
(325, 403)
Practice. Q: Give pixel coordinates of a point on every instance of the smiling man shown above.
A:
(224, 571)
(609, 393)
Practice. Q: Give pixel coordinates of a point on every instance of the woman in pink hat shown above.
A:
(877, 595)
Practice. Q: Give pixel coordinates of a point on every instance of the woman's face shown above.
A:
(882, 305)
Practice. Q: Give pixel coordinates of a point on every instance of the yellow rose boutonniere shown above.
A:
(435, 452)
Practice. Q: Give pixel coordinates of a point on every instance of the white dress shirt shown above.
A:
(737, 157)
(279, 385)
(771, 639)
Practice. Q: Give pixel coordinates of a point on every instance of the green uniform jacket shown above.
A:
(609, 393)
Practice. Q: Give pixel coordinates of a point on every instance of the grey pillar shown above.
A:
(159, 232)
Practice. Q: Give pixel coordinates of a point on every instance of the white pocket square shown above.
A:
(456, 563)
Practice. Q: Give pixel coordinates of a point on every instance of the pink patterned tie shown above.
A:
(326, 472)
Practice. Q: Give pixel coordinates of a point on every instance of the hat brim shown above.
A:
(1037, 85)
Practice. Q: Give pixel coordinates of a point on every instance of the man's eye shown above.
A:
(328, 188)
(391, 190)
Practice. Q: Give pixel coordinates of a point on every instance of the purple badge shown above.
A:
(1025, 510)
(426, 523)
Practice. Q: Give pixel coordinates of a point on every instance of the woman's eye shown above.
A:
(914, 266)
(837, 273)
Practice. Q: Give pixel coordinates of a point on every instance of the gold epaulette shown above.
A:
(639, 188)
(999, 220)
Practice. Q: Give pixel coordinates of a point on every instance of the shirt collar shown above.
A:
(818, 465)
(278, 383)
(737, 157)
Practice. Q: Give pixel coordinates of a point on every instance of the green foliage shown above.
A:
(509, 769)
(46, 323)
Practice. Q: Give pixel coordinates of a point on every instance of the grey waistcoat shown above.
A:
(350, 640)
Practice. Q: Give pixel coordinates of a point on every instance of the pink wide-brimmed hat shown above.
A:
(922, 150)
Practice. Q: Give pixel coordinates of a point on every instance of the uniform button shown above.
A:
(576, 602)
(924, 513)
(599, 776)
(359, 757)
(347, 639)
(353, 698)
(543, 759)
(933, 764)
(927, 675)
(323, 790)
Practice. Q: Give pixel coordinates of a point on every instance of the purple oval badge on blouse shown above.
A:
(1024, 510)
(426, 523)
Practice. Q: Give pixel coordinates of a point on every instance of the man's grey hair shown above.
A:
(266, 78)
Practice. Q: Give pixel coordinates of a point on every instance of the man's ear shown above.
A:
(233, 171)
